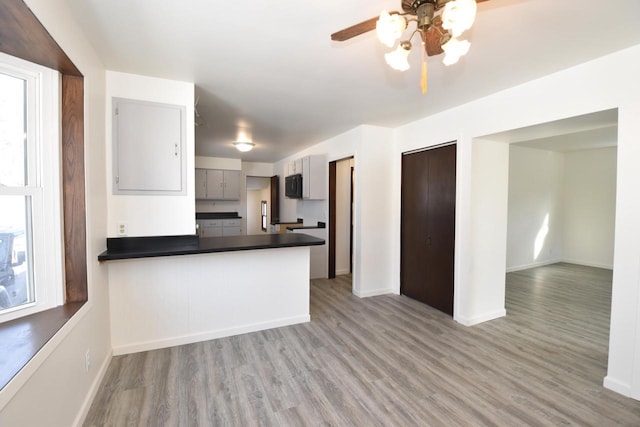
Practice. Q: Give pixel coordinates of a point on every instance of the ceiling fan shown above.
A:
(439, 22)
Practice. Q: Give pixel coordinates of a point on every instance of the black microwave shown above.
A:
(293, 186)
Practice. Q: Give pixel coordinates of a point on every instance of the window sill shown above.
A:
(21, 339)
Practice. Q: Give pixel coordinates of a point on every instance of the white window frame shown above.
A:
(44, 183)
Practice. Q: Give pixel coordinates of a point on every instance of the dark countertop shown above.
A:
(309, 227)
(147, 247)
(297, 221)
(217, 215)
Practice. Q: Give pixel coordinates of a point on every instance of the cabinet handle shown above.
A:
(429, 240)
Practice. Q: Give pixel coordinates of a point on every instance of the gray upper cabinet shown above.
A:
(201, 183)
(217, 184)
(149, 144)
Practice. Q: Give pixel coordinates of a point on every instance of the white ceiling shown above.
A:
(585, 132)
(271, 68)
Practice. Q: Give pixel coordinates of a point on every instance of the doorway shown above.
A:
(341, 191)
(258, 201)
(427, 227)
(557, 215)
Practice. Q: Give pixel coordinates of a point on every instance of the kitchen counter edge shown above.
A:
(120, 248)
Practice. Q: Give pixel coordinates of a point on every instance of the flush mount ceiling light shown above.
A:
(244, 146)
(439, 23)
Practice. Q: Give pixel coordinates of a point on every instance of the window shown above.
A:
(31, 268)
(263, 215)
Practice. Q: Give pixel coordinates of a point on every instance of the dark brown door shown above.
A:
(275, 199)
(428, 226)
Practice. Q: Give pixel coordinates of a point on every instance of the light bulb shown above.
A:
(399, 58)
(244, 146)
(458, 16)
(454, 49)
(389, 28)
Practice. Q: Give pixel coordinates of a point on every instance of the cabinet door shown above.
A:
(201, 183)
(231, 185)
(211, 232)
(148, 141)
(306, 177)
(231, 231)
(215, 184)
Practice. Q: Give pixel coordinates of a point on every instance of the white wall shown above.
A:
(371, 147)
(589, 206)
(561, 207)
(536, 215)
(191, 298)
(553, 97)
(142, 213)
(490, 182)
(343, 212)
(53, 389)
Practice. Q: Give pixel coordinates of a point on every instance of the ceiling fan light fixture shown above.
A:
(244, 146)
(458, 16)
(454, 49)
(389, 28)
(399, 58)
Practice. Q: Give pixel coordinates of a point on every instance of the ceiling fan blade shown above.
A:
(356, 30)
(432, 38)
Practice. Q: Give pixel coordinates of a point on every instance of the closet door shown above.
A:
(428, 226)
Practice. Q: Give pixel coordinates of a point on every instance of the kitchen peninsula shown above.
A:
(167, 291)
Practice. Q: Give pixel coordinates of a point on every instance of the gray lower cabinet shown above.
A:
(220, 227)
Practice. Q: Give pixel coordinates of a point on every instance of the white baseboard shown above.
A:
(617, 386)
(93, 390)
(372, 292)
(587, 263)
(208, 335)
(470, 321)
(533, 265)
(555, 261)
(342, 271)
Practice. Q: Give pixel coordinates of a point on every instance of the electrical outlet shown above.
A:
(87, 361)
(122, 229)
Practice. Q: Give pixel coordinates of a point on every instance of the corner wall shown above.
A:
(561, 207)
(590, 207)
(536, 214)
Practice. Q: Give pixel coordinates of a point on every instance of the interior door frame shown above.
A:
(331, 274)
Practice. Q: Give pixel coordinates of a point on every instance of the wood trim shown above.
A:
(23, 36)
(72, 117)
(351, 221)
(332, 220)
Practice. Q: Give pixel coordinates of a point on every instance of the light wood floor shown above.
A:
(389, 360)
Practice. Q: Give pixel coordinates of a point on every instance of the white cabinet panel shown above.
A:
(314, 177)
(149, 147)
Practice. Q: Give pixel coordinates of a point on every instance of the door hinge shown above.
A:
(117, 179)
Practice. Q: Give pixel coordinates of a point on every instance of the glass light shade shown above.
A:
(399, 58)
(458, 16)
(244, 146)
(389, 28)
(454, 49)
